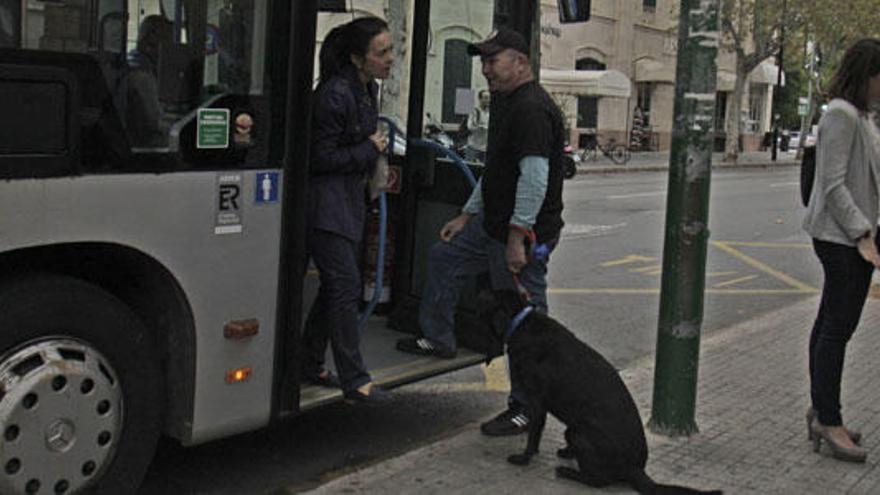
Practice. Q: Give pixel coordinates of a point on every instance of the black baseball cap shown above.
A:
(499, 40)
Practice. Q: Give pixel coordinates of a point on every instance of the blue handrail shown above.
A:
(393, 130)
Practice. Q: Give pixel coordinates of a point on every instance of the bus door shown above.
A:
(450, 93)
(145, 143)
(443, 88)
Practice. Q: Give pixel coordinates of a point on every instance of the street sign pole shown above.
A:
(687, 212)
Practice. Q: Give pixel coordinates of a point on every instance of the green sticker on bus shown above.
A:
(213, 128)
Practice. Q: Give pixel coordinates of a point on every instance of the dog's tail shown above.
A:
(643, 483)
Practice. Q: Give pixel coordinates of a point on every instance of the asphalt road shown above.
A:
(604, 279)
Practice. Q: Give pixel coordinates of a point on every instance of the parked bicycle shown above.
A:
(617, 153)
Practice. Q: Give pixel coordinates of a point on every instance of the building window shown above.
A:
(456, 74)
(649, 5)
(588, 106)
(643, 100)
(757, 98)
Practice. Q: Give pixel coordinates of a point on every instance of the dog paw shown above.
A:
(565, 453)
(519, 459)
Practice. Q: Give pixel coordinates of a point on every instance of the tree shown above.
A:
(828, 30)
(751, 30)
(395, 12)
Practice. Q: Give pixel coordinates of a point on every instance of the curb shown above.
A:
(624, 169)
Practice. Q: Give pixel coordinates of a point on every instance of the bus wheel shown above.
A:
(80, 389)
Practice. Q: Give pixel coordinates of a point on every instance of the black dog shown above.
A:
(567, 378)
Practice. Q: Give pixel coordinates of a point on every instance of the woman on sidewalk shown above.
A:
(345, 147)
(842, 219)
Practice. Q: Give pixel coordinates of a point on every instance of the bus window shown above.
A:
(73, 25)
(170, 74)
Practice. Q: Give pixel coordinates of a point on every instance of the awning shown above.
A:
(612, 83)
(648, 70)
(766, 73)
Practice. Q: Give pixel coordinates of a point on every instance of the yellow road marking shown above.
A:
(786, 245)
(797, 284)
(734, 281)
(720, 274)
(496, 375)
(654, 268)
(633, 258)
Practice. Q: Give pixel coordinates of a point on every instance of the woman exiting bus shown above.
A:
(345, 146)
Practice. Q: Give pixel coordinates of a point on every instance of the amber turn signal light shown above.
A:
(238, 375)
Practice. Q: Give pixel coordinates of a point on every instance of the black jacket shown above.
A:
(344, 116)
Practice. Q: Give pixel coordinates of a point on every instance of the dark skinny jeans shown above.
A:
(847, 279)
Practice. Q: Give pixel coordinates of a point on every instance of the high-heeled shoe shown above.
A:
(855, 436)
(847, 454)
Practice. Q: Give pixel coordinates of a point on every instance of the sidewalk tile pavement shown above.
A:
(751, 400)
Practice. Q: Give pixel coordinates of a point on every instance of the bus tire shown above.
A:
(82, 407)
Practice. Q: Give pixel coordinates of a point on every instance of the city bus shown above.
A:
(153, 271)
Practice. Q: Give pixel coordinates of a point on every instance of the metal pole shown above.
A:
(687, 212)
(778, 84)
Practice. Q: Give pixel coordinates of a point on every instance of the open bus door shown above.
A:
(433, 189)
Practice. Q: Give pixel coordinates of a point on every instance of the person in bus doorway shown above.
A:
(842, 216)
(519, 194)
(478, 126)
(345, 147)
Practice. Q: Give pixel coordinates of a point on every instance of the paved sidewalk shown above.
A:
(657, 161)
(751, 401)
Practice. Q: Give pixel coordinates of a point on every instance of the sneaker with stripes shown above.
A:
(424, 347)
(513, 421)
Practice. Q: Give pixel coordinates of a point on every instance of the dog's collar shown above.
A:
(514, 323)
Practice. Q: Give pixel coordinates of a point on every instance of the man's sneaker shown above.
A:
(424, 347)
(511, 422)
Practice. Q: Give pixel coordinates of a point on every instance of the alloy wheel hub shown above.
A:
(60, 415)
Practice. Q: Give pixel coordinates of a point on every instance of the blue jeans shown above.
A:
(451, 264)
(847, 280)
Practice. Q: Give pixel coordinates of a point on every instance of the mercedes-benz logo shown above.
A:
(60, 435)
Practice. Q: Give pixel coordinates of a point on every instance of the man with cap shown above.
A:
(518, 201)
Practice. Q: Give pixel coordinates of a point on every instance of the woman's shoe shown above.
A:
(838, 451)
(323, 378)
(855, 436)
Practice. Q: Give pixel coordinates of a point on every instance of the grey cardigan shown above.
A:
(844, 203)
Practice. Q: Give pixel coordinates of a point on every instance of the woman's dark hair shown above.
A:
(343, 41)
(860, 63)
